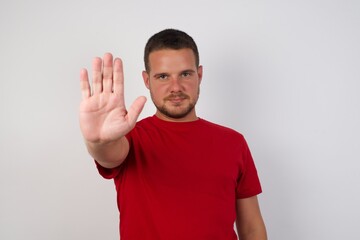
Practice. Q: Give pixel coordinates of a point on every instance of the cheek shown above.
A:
(194, 88)
(157, 91)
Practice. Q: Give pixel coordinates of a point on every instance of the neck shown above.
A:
(188, 118)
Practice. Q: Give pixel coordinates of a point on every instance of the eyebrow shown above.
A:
(167, 74)
(188, 71)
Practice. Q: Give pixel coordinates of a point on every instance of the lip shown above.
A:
(176, 99)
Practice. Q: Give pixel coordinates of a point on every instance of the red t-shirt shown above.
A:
(181, 181)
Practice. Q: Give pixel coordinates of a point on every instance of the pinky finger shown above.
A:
(84, 84)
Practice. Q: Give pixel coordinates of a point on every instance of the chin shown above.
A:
(176, 114)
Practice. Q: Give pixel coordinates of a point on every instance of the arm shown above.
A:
(104, 119)
(249, 222)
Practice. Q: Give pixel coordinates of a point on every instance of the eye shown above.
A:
(185, 74)
(162, 76)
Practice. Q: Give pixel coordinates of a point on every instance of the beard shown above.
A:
(176, 111)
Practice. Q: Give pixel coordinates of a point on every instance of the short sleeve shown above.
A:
(248, 184)
(108, 173)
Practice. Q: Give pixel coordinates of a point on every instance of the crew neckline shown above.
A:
(176, 125)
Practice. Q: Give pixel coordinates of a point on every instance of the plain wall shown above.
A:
(286, 74)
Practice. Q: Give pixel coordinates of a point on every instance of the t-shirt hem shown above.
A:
(249, 195)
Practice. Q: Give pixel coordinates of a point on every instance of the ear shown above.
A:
(146, 79)
(200, 73)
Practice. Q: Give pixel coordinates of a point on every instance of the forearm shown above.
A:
(111, 154)
(259, 234)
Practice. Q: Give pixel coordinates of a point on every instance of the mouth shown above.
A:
(176, 99)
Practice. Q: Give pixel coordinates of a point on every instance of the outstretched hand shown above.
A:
(103, 115)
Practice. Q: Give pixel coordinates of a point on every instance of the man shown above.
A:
(177, 176)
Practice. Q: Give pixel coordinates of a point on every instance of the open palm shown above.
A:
(103, 115)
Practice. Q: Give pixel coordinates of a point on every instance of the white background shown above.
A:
(284, 73)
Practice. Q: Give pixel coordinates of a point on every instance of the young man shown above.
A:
(177, 176)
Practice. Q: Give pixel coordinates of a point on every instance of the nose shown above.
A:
(175, 85)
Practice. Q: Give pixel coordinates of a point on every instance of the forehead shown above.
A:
(167, 59)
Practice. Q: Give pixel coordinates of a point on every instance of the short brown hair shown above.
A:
(170, 39)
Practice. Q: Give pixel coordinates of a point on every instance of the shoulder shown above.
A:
(220, 129)
(145, 123)
(142, 127)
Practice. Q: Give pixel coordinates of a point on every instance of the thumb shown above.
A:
(135, 109)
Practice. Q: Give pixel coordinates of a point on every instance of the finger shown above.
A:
(108, 73)
(118, 78)
(135, 110)
(84, 84)
(97, 75)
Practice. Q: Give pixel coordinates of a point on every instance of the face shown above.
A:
(174, 83)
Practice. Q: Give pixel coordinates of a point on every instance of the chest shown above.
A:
(186, 162)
